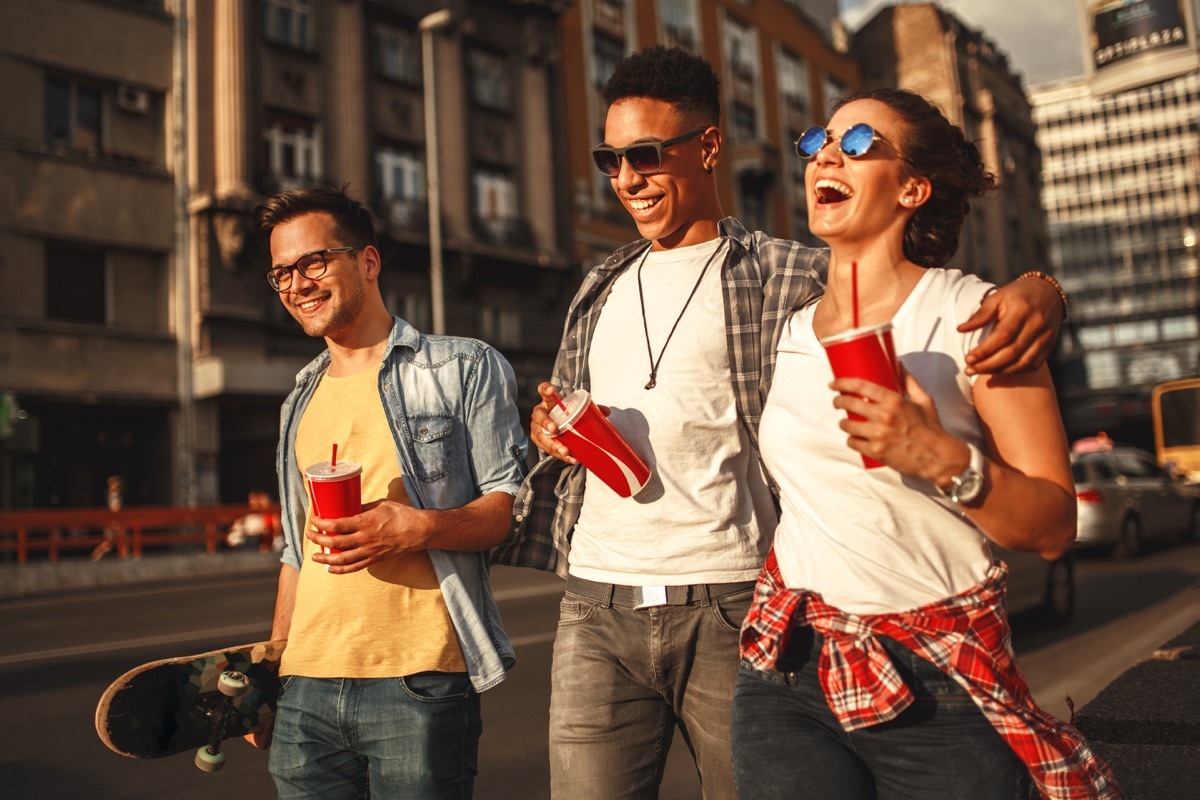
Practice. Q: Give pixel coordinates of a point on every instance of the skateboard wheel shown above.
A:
(233, 684)
(209, 762)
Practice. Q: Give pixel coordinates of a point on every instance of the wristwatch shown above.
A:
(966, 488)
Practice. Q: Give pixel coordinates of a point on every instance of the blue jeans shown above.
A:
(622, 679)
(788, 744)
(411, 737)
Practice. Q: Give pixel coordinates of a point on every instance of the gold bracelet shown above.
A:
(1033, 273)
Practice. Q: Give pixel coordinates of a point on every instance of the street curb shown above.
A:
(31, 580)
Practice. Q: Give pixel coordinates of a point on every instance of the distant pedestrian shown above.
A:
(113, 500)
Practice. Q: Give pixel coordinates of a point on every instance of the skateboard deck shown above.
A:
(191, 703)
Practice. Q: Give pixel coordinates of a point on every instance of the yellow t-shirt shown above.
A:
(390, 619)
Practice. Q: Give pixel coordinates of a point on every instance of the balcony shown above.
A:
(503, 231)
(405, 216)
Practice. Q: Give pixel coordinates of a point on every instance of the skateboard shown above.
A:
(195, 702)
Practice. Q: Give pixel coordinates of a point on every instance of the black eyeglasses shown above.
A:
(644, 158)
(856, 142)
(310, 265)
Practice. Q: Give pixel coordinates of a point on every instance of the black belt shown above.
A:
(615, 594)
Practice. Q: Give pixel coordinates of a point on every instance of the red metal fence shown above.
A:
(130, 529)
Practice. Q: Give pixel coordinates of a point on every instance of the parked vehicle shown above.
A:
(1175, 410)
(1126, 499)
(1044, 588)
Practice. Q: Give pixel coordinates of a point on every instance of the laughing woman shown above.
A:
(876, 656)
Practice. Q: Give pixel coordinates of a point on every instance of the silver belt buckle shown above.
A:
(653, 596)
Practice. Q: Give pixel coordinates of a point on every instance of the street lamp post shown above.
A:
(429, 25)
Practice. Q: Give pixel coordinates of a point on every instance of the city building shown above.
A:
(1121, 188)
(88, 252)
(924, 48)
(140, 337)
(291, 93)
(780, 63)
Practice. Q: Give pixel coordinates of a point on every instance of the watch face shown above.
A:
(968, 489)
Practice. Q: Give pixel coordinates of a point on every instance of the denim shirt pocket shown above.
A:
(432, 441)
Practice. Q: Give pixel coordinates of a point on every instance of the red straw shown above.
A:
(333, 458)
(558, 400)
(854, 289)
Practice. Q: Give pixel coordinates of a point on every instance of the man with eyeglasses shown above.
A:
(392, 632)
(676, 333)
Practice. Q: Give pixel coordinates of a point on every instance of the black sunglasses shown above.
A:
(310, 265)
(856, 142)
(644, 158)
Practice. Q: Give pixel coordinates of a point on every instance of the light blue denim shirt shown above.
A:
(451, 405)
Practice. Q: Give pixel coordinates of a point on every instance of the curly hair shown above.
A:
(353, 220)
(672, 75)
(936, 149)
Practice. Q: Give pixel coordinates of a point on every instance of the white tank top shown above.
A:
(874, 541)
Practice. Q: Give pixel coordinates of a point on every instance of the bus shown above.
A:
(1175, 406)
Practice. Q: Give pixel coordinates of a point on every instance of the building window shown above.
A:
(833, 90)
(606, 52)
(73, 114)
(494, 206)
(401, 174)
(398, 53)
(290, 23)
(611, 11)
(76, 284)
(490, 84)
(679, 24)
(413, 308)
(741, 47)
(293, 152)
(744, 121)
(500, 325)
(793, 84)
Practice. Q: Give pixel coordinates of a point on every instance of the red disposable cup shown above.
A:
(336, 491)
(597, 444)
(868, 353)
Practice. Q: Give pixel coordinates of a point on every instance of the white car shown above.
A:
(1125, 499)
(1044, 588)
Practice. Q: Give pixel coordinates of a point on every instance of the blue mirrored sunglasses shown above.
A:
(854, 143)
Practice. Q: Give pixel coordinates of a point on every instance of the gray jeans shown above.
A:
(622, 680)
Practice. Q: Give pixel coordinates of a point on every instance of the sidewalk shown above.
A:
(76, 574)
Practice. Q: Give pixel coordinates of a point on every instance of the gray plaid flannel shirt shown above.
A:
(763, 279)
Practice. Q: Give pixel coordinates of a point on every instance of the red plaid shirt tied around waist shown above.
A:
(966, 636)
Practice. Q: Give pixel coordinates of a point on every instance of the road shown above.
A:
(61, 652)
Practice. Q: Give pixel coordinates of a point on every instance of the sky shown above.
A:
(1040, 37)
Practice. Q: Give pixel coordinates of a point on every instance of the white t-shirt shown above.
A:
(872, 540)
(706, 515)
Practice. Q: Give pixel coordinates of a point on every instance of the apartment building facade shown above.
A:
(779, 65)
(1121, 188)
(88, 247)
(924, 48)
(140, 336)
(291, 93)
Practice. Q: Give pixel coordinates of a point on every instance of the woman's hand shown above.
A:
(901, 432)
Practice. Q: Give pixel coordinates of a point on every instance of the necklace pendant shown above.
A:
(651, 383)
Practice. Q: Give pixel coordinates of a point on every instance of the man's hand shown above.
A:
(383, 530)
(542, 429)
(1028, 314)
(261, 738)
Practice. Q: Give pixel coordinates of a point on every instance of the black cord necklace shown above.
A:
(654, 362)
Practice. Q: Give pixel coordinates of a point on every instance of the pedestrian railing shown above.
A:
(130, 530)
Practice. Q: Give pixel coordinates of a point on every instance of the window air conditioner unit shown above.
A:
(133, 99)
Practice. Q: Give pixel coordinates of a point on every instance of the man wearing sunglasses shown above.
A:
(394, 632)
(675, 333)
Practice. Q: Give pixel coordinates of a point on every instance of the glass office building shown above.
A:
(1121, 188)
